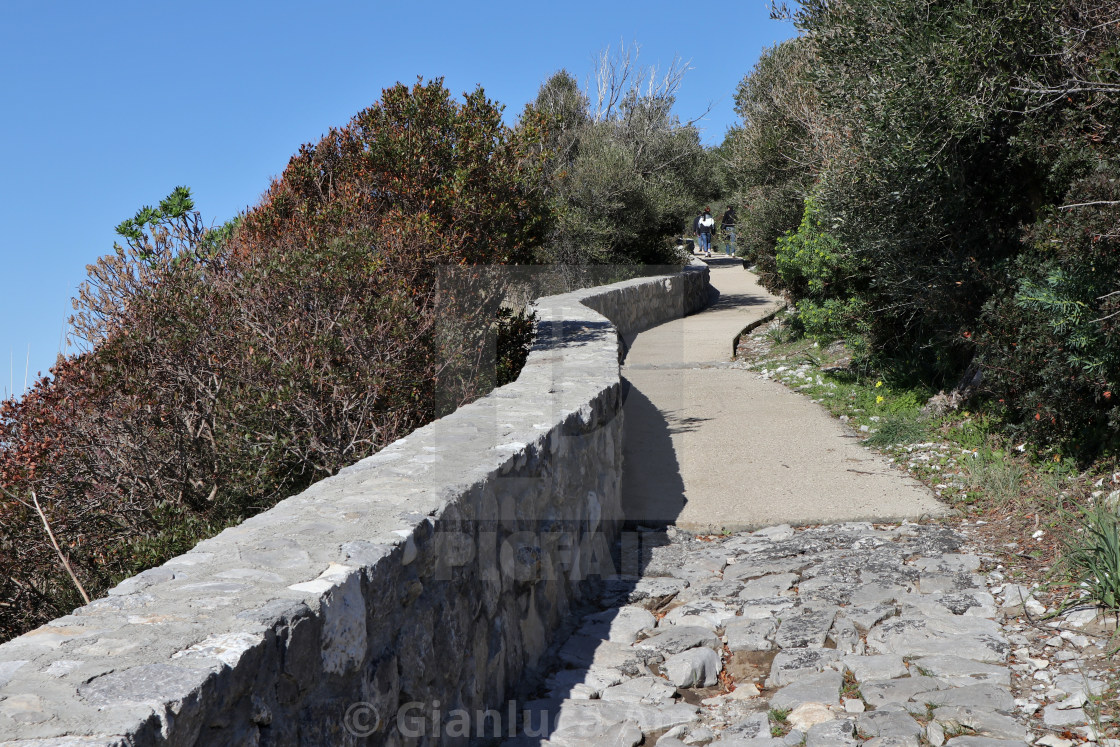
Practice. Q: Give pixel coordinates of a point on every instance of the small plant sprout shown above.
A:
(779, 726)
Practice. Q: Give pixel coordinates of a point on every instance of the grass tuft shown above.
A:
(1092, 555)
(998, 478)
(904, 428)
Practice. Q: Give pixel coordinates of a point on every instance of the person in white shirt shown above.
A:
(703, 226)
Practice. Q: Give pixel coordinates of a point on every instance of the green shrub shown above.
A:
(833, 318)
(1051, 343)
(813, 266)
(811, 262)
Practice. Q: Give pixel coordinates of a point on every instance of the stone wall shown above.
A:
(424, 578)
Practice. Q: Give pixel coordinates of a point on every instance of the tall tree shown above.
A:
(774, 156)
(625, 174)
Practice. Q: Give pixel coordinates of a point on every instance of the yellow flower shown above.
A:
(878, 384)
(879, 400)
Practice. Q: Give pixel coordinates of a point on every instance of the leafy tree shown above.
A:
(928, 188)
(773, 158)
(623, 174)
(962, 157)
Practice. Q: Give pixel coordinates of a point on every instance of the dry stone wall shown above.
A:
(426, 577)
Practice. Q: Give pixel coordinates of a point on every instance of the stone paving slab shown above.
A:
(918, 666)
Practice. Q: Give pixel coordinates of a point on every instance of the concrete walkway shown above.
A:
(713, 447)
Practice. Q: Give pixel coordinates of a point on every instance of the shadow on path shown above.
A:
(652, 485)
(738, 300)
(653, 495)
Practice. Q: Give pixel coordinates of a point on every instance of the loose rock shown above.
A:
(697, 667)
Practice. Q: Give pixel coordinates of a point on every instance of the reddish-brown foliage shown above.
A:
(226, 370)
(417, 167)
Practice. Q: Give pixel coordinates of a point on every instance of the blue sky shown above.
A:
(111, 105)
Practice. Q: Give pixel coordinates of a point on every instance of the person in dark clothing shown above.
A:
(703, 225)
(727, 228)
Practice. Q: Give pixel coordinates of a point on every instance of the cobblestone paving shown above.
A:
(890, 635)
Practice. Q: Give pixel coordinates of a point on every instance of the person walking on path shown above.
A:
(727, 228)
(703, 226)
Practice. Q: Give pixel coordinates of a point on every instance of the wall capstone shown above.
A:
(426, 577)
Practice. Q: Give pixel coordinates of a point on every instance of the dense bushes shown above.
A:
(227, 369)
(961, 157)
(1051, 339)
(417, 173)
(771, 159)
(1050, 342)
(926, 189)
(623, 175)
